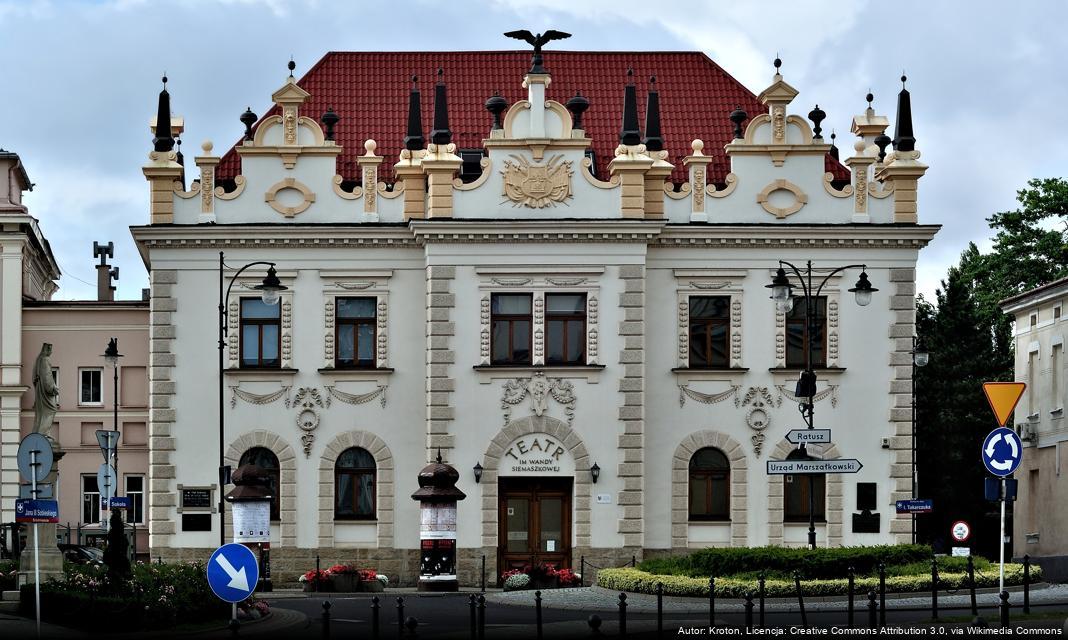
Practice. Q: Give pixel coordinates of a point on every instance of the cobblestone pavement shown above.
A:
(598, 599)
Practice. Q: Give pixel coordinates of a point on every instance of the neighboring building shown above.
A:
(79, 332)
(1041, 328)
(575, 307)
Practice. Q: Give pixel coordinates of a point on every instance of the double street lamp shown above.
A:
(782, 293)
(111, 357)
(269, 290)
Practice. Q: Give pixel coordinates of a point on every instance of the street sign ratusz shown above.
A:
(233, 572)
(809, 436)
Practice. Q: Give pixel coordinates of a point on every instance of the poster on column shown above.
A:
(252, 521)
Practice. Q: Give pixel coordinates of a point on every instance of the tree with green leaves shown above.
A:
(117, 552)
(970, 340)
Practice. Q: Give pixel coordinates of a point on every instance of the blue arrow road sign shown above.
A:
(233, 572)
(1002, 451)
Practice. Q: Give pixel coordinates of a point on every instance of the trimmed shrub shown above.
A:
(638, 581)
(9, 572)
(517, 582)
(817, 563)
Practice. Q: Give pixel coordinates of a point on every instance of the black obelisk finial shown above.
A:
(653, 141)
(414, 141)
(903, 138)
(440, 134)
(163, 141)
(631, 134)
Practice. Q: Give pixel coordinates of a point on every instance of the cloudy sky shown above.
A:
(80, 81)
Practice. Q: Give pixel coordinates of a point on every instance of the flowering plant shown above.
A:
(366, 575)
(315, 576)
(510, 573)
(567, 577)
(343, 569)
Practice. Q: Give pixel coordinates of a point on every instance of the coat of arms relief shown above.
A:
(537, 185)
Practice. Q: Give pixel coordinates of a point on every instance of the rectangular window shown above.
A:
(90, 389)
(798, 487)
(710, 320)
(565, 320)
(1057, 312)
(1055, 365)
(135, 490)
(802, 336)
(260, 333)
(1034, 320)
(355, 326)
(1031, 405)
(90, 500)
(511, 318)
(471, 165)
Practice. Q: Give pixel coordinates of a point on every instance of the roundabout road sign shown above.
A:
(961, 531)
(1002, 452)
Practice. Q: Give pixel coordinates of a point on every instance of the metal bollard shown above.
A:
(659, 609)
(712, 602)
(871, 610)
(971, 585)
(748, 611)
(582, 571)
(400, 614)
(882, 595)
(316, 581)
(1027, 584)
(934, 589)
(633, 560)
(482, 617)
(850, 592)
(800, 599)
(326, 618)
(234, 626)
(472, 602)
(1004, 606)
(594, 621)
(411, 624)
(483, 573)
(622, 615)
(537, 611)
(762, 593)
(374, 617)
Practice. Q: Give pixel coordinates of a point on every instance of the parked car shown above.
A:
(82, 554)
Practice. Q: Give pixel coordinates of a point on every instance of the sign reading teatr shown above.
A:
(537, 454)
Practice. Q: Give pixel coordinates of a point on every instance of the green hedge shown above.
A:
(8, 575)
(812, 563)
(638, 581)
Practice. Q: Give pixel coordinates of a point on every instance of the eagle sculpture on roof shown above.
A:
(538, 41)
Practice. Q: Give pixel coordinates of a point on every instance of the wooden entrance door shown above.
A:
(535, 522)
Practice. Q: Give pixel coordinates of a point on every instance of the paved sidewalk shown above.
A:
(598, 599)
(14, 627)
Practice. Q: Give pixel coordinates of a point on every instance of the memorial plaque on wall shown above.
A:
(196, 498)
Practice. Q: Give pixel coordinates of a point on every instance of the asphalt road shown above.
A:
(448, 616)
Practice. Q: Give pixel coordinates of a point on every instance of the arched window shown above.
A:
(710, 485)
(265, 459)
(798, 488)
(354, 485)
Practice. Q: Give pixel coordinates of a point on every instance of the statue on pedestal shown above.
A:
(46, 393)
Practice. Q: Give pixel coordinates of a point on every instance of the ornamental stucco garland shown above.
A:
(539, 389)
(310, 403)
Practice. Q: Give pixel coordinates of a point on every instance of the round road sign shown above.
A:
(961, 531)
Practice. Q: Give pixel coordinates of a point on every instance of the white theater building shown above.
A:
(602, 347)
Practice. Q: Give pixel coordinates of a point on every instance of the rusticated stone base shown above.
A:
(402, 565)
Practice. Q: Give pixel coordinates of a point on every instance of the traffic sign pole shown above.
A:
(36, 551)
(1001, 541)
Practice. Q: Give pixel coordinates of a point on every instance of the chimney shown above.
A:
(105, 291)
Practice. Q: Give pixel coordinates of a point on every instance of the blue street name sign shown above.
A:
(1002, 452)
(37, 511)
(233, 572)
(125, 502)
(915, 506)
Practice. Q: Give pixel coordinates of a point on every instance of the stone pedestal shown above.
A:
(50, 555)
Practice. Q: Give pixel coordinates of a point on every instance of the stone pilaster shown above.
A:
(902, 172)
(440, 356)
(161, 361)
(409, 172)
(440, 164)
(630, 164)
(903, 305)
(632, 410)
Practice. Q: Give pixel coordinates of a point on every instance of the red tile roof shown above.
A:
(369, 91)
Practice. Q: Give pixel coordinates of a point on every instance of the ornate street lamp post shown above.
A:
(920, 357)
(782, 294)
(269, 290)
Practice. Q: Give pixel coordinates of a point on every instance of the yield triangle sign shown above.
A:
(1003, 397)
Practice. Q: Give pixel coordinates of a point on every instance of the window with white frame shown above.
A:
(90, 500)
(709, 316)
(90, 389)
(135, 490)
(356, 319)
